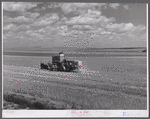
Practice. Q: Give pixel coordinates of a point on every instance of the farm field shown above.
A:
(101, 83)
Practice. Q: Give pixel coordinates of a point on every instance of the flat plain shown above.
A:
(105, 81)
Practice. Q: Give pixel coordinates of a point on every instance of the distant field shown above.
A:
(103, 82)
(42, 51)
(57, 49)
(79, 54)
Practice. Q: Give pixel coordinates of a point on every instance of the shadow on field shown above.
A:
(23, 102)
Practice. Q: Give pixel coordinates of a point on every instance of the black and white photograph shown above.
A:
(74, 59)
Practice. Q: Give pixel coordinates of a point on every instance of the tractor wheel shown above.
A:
(51, 68)
(41, 66)
(63, 68)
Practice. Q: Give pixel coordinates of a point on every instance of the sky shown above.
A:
(81, 25)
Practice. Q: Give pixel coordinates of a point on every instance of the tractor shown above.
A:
(59, 63)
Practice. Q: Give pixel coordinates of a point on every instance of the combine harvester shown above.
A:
(59, 63)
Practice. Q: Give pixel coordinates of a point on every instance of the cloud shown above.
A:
(64, 27)
(42, 8)
(64, 19)
(15, 37)
(123, 27)
(22, 28)
(110, 37)
(56, 29)
(50, 16)
(89, 20)
(75, 23)
(53, 5)
(139, 28)
(41, 30)
(46, 19)
(79, 7)
(126, 7)
(128, 26)
(63, 30)
(18, 6)
(105, 32)
(137, 32)
(93, 14)
(34, 34)
(9, 27)
(15, 31)
(66, 8)
(81, 27)
(19, 19)
(114, 5)
(41, 23)
(92, 17)
(31, 15)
